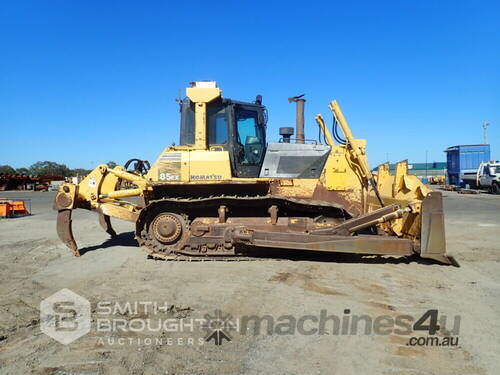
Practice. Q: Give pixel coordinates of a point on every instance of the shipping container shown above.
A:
(463, 159)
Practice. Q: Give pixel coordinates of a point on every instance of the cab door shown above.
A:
(248, 140)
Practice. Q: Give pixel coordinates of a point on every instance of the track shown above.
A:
(164, 226)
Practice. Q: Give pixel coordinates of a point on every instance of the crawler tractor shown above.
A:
(225, 190)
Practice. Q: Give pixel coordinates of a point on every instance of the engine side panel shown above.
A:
(292, 160)
(174, 166)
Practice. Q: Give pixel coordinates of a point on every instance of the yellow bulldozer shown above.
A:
(225, 190)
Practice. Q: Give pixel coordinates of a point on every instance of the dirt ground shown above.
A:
(34, 265)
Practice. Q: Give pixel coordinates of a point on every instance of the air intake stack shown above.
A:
(286, 133)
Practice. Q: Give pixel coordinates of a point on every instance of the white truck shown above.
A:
(486, 177)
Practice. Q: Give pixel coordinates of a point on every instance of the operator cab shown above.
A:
(236, 127)
(210, 122)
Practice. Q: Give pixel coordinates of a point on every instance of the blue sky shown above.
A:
(83, 83)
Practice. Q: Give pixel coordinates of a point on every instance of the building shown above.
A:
(462, 159)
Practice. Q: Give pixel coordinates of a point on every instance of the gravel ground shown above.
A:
(34, 265)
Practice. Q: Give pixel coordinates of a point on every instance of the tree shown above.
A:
(111, 164)
(80, 172)
(49, 167)
(23, 171)
(7, 169)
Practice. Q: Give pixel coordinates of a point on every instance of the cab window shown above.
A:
(187, 123)
(218, 131)
(250, 138)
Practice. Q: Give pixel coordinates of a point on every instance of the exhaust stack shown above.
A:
(299, 119)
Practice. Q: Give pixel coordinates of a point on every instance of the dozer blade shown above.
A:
(432, 241)
(65, 232)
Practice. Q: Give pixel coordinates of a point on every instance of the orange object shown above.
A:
(10, 208)
(5, 209)
(19, 208)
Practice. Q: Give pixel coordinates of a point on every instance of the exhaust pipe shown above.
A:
(299, 117)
